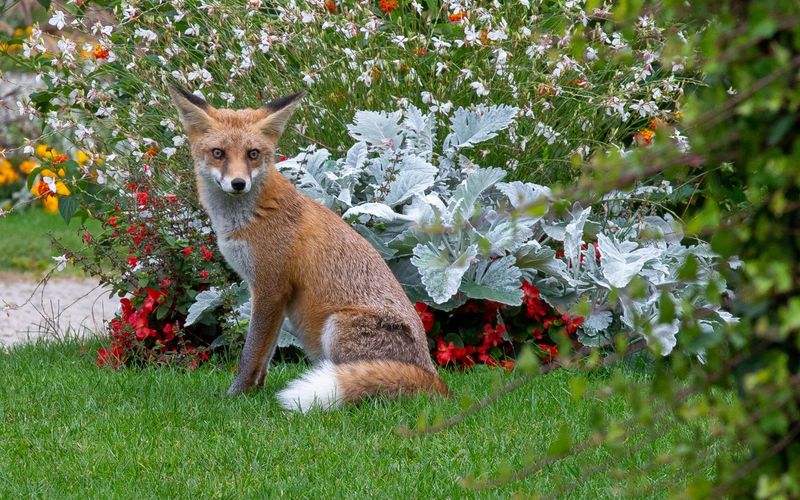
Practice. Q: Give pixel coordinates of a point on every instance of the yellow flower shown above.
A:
(50, 204)
(48, 187)
(45, 151)
(81, 158)
(27, 166)
(7, 173)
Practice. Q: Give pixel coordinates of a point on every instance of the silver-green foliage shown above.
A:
(452, 230)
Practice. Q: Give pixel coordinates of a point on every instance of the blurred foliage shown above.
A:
(743, 173)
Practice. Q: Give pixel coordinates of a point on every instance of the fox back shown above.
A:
(301, 260)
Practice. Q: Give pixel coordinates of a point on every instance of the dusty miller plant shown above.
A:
(451, 230)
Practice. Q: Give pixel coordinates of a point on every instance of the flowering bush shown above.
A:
(158, 258)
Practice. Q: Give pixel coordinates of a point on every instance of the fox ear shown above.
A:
(278, 115)
(192, 109)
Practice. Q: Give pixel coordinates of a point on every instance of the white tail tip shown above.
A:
(317, 387)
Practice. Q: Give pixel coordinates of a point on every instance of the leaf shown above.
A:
(664, 336)
(378, 210)
(473, 127)
(497, 280)
(562, 443)
(577, 387)
(597, 321)
(524, 194)
(67, 206)
(573, 235)
(377, 128)
(416, 175)
(205, 300)
(440, 276)
(419, 132)
(462, 204)
(374, 240)
(534, 256)
(509, 236)
(620, 262)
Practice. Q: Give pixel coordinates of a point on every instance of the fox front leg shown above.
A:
(265, 323)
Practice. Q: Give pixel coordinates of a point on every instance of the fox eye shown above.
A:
(217, 153)
(253, 154)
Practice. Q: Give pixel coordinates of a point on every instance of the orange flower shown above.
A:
(485, 36)
(60, 158)
(420, 51)
(331, 6)
(387, 6)
(644, 137)
(454, 18)
(100, 52)
(152, 152)
(655, 123)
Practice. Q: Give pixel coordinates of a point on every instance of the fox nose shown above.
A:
(238, 184)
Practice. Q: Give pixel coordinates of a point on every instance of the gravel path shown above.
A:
(65, 305)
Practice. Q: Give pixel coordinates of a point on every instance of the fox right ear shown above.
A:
(192, 109)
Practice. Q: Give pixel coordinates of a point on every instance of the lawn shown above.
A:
(26, 242)
(72, 429)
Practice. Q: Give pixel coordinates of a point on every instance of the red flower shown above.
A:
(171, 198)
(86, 236)
(428, 320)
(141, 199)
(572, 324)
(132, 261)
(552, 351)
(113, 357)
(187, 251)
(204, 274)
(387, 6)
(331, 6)
(60, 158)
(112, 221)
(282, 158)
(207, 254)
(508, 364)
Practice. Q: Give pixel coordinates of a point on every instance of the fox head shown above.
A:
(232, 148)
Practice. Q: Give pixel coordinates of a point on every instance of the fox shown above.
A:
(300, 260)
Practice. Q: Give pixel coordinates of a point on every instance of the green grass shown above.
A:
(70, 429)
(25, 245)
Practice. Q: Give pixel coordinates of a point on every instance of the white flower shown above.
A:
(61, 262)
(193, 29)
(307, 17)
(58, 20)
(480, 89)
(169, 152)
(146, 35)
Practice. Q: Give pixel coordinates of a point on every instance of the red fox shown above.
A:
(301, 260)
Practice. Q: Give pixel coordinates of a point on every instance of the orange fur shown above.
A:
(301, 259)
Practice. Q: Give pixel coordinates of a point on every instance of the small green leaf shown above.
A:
(577, 387)
(666, 308)
(67, 206)
(562, 443)
(527, 361)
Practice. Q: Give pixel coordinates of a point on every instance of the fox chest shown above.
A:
(239, 256)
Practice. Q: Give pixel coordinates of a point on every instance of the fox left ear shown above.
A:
(192, 109)
(278, 115)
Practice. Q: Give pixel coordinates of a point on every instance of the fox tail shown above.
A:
(328, 385)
